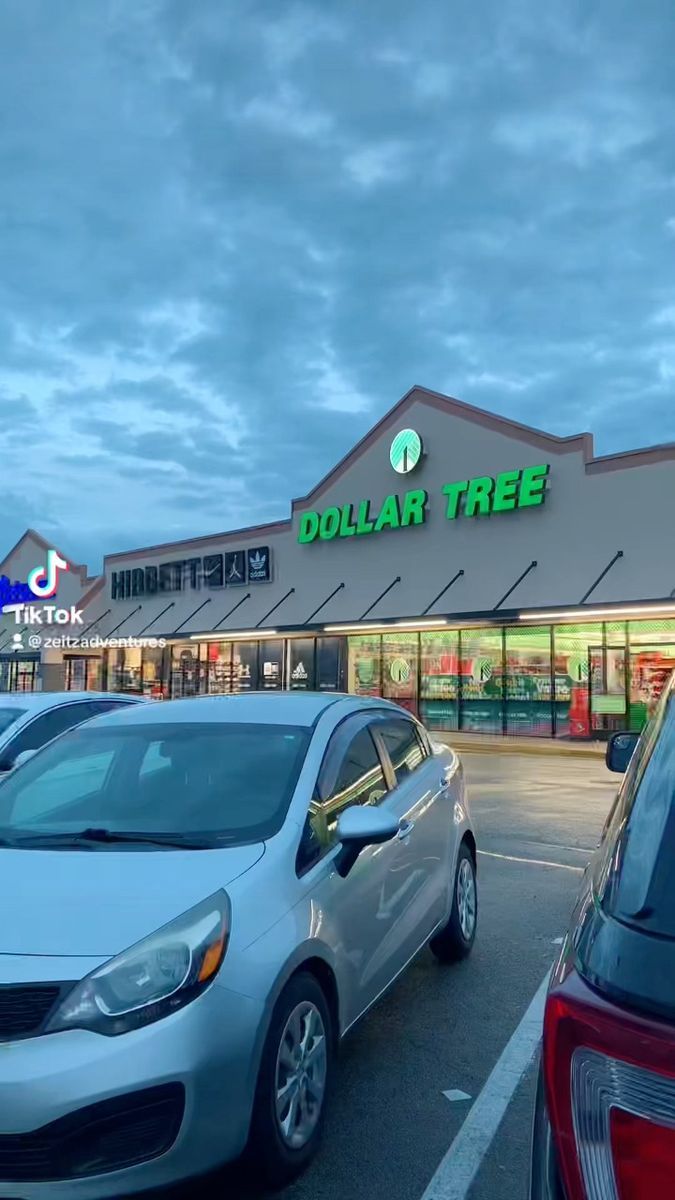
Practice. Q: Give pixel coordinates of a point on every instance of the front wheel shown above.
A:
(292, 1084)
(456, 939)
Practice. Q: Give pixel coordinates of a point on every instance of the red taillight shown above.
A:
(644, 1157)
(610, 1088)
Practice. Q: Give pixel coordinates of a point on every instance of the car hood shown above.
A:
(97, 903)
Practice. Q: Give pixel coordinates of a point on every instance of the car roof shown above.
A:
(35, 702)
(260, 708)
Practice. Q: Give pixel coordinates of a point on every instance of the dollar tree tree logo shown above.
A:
(400, 670)
(484, 669)
(406, 451)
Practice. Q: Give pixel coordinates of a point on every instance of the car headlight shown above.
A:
(155, 977)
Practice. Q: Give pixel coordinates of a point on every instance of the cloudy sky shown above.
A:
(234, 232)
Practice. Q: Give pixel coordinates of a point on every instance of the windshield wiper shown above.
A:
(93, 836)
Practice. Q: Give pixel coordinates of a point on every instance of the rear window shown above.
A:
(8, 716)
(640, 887)
(229, 784)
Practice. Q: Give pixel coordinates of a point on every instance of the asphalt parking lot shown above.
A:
(443, 1029)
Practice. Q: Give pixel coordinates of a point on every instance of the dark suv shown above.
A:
(604, 1126)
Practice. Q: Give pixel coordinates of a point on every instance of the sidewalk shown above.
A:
(480, 743)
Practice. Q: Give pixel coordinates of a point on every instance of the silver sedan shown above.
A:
(201, 898)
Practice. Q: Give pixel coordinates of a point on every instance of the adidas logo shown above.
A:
(299, 672)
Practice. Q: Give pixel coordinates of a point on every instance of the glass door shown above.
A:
(607, 680)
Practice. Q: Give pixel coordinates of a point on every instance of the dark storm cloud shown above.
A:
(234, 235)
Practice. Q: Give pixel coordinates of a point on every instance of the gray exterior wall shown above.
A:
(593, 508)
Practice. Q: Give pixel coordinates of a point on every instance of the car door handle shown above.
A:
(404, 830)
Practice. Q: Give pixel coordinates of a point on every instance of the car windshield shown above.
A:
(8, 716)
(210, 783)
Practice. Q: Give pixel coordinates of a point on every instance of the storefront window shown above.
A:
(572, 645)
(651, 661)
(400, 661)
(151, 672)
(244, 666)
(364, 666)
(271, 660)
(301, 664)
(439, 682)
(124, 670)
(528, 681)
(83, 673)
(218, 667)
(186, 670)
(481, 680)
(19, 674)
(328, 651)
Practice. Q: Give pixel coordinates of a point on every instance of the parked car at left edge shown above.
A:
(28, 720)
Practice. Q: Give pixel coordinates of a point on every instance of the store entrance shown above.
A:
(608, 693)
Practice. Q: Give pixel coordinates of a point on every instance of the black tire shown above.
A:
(450, 944)
(273, 1163)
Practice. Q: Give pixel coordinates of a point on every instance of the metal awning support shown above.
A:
(275, 607)
(381, 597)
(94, 622)
(127, 618)
(12, 635)
(441, 593)
(515, 585)
(617, 556)
(171, 605)
(231, 610)
(324, 603)
(192, 614)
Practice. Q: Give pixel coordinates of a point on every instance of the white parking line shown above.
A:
(458, 1169)
(537, 862)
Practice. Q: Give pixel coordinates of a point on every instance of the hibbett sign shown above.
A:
(42, 584)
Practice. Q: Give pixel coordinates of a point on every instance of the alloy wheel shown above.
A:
(466, 899)
(300, 1078)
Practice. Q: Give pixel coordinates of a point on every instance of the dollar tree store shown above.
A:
(491, 577)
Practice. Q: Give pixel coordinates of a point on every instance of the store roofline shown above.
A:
(549, 442)
(633, 610)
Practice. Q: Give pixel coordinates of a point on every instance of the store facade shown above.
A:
(488, 576)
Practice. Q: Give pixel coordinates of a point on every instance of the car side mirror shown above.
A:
(360, 826)
(620, 750)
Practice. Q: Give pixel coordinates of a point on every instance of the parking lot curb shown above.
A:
(594, 751)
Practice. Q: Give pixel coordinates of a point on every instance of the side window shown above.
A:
(351, 774)
(47, 726)
(403, 745)
(98, 707)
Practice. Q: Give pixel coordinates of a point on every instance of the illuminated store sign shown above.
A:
(481, 496)
(231, 569)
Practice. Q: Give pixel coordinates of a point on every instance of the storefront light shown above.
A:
(632, 610)
(238, 635)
